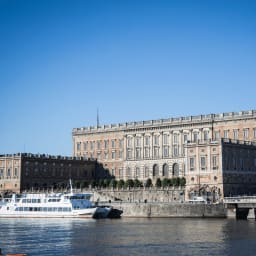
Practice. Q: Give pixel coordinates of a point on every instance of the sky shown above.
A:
(61, 60)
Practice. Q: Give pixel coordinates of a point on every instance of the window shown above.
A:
(98, 144)
(138, 150)
(235, 133)
(147, 140)
(98, 155)
(226, 134)
(137, 172)
(156, 140)
(8, 172)
(16, 172)
(166, 151)
(195, 137)
(128, 172)
(113, 155)
(156, 152)
(246, 134)
(175, 150)
(113, 143)
(165, 139)
(78, 146)
(214, 162)
(129, 142)
(146, 172)
(91, 145)
(138, 141)
(106, 155)
(185, 138)
(175, 138)
(121, 154)
(203, 162)
(205, 135)
(120, 173)
(192, 163)
(113, 172)
(1, 172)
(129, 154)
(146, 150)
(120, 143)
(85, 145)
(216, 135)
(106, 144)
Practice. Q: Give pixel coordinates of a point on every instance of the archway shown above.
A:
(175, 170)
(155, 170)
(165, 170)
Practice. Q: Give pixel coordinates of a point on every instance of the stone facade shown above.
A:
(19, 172)
(168, 148)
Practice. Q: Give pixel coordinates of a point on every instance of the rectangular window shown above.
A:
(91, 145)
(78, 146)
(1, 172)
(106, 144)
(156, 140)
(85, 145)
(147, 140)
(165, 139)
(121, 154)
(214, 162)
(129, 154)
(98, 155)
(192, 163)
(120, 143)
(120, 173)
(246, 134)
(185, 138)
(146, 150)
(16, 172)
(113, 143)
(138, 153)
(226, 134)
(235, 132)
(175, 138)
(195, 137)
(205, 135)
(166, 151)
(175, 150)
(137, 141)
(98, 144)
(216, 135)
(113, 155)
(156, 152)
(203, 162)
(129, 142)
(106, 155)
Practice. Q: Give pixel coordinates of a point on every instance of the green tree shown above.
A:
(106, 183)
(129, 183)
(120, 184)
(148, 183)
(158, 183)
(137, 183)
(113, 183)
(182, 182)
(166, 182)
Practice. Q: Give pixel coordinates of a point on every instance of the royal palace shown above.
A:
(216, 153)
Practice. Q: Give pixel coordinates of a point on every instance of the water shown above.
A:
(169, 236)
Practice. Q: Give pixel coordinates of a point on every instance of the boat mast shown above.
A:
(71, 189)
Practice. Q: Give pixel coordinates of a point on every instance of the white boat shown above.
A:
(48, 205)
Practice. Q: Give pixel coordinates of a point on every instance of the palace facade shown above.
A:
(216, 153)
(24, 171)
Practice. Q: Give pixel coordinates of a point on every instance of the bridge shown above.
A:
(241, 207)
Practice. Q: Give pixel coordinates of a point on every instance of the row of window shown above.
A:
(137, 141)
(9, 172)
(43, 209)
(203, 163)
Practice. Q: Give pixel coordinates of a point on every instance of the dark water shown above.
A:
(169, 236)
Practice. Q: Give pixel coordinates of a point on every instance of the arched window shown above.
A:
(175, 170)
(155, 170)
(165, 170)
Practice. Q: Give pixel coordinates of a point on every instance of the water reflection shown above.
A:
(128, 237)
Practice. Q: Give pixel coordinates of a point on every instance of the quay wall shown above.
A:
(153, 210)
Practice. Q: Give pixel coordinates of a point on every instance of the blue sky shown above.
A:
(133, 60)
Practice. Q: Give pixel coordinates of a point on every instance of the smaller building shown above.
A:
(25, 171)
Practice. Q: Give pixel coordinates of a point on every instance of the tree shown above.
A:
(120, 184)
(166, 182)
(182, 182)
(106, 183)
(129, 183)
(113, 183)
(158, 183)
(137, 183)
(148, 183)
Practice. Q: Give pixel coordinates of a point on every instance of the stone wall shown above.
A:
(141, 195)
(155, 210)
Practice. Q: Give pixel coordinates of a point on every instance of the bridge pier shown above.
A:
(251, 214)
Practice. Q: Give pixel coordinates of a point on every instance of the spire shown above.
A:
(98, 122)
